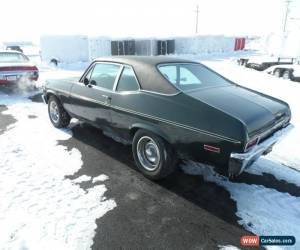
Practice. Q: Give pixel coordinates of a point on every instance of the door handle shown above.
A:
(108, 98)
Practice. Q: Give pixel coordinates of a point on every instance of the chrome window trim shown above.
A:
(157, 93)
(93, 64)
(118, 77)
(138, 83)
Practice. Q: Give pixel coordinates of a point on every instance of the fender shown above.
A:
(152, 128)
(49, 92)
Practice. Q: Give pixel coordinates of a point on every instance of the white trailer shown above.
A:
(66, 49)
(73, 48)
(286, 46)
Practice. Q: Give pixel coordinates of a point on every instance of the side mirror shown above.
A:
(93, 82)
(86, 81)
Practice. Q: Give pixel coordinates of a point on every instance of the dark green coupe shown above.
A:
(171, 109)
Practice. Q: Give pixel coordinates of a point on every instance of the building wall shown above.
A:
(98, 47)
(147, 47)
(203, 44)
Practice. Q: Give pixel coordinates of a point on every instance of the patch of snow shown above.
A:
(101, 178)
(228, 247)
(263, 211)
(281, 172)
(82, 178)
(40, 208)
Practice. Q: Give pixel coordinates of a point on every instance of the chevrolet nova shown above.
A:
(171, 109)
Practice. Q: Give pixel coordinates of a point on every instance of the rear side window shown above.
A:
(127, 80)
(104, 75)
(189, 76)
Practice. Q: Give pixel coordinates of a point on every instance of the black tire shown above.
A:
(286, 75)
(63, 118)
(168, 159)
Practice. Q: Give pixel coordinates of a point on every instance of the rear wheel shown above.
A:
(57, 114)
(153, 156)
(286, 75)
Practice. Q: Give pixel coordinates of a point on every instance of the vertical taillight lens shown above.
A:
(251, 143)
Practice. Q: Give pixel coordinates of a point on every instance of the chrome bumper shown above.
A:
(44, 99)
(239, 161)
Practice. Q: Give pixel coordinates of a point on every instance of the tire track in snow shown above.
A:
(40, 209)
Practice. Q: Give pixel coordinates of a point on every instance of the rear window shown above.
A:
(12, 57)
(189, 76)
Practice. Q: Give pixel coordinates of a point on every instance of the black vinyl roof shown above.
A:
(146, 71)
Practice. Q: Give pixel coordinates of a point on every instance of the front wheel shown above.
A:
(277, 73)
(153, 156)
(57, 114)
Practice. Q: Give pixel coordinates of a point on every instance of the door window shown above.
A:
(128, 80)
(104, 75)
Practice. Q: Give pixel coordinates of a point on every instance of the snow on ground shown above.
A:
(101, 177)
(228, 247)
(263, 211)
(40, 208)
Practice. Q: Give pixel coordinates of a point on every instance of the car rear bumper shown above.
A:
(239, 161)
(13, 77)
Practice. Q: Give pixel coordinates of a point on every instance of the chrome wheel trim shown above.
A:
(53, 110)
(148, 153)
(286, 75)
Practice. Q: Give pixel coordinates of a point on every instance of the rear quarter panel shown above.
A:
(185, 123)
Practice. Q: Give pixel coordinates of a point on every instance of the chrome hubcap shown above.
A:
(148, 153)
(286, 76)
(54, 113)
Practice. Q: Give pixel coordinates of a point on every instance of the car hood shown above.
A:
(257, 111)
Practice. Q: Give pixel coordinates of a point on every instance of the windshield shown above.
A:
(12, 57)
(189, 76)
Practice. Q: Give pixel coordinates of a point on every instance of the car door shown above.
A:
(127, 96)
(91, 96)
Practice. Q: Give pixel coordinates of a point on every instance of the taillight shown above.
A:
(251, 143)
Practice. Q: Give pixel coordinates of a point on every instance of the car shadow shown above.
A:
(193, 188)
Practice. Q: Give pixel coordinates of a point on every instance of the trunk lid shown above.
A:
(17, 66)
(257, 111)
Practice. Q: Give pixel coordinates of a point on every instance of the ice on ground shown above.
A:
(40, 208)
(263, 211)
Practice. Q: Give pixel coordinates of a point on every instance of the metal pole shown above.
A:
(286, 14)
(197, 13)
